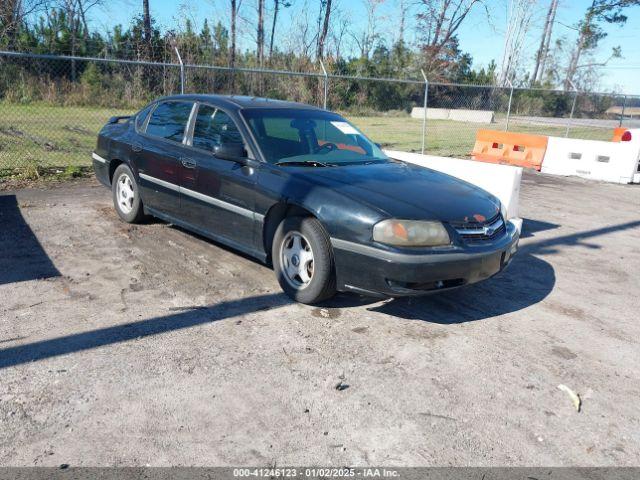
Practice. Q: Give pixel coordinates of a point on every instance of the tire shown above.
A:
(308, 280)
(126, 195)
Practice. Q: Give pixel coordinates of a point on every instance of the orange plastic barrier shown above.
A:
(621, 134)
(509, 148)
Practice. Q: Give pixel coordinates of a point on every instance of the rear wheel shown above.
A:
(303, 260)
(126, 195)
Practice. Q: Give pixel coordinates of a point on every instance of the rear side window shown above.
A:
(142, 115)
(169, 120)
(213, 128)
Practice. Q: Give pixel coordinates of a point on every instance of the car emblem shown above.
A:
(479, 218)
(488, 231)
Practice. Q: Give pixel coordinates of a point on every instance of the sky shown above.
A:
(482, 38)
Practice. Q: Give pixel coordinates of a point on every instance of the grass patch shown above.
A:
(453, 139)
(44, 138)
(71, 171)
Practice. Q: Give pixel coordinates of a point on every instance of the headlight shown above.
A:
(411, 233)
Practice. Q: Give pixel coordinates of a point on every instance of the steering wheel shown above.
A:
(329, 147)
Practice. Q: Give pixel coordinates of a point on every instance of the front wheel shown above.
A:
(303, 260)
(126, 195)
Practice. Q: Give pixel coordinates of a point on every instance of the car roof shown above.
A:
(239, 102)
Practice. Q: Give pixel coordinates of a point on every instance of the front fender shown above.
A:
(342, 216)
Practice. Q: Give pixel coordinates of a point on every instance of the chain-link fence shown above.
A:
(51, 107)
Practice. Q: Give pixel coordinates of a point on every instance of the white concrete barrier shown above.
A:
(615, 162)
(432, 113)
(455, 114)
(474, 116)
(503, 181)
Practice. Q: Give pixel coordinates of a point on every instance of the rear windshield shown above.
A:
(291, 135)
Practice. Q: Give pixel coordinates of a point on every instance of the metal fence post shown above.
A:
(181, 70)
(624, 105)
(506, 127)
(326, 84)
(424, 110)
(573, 107)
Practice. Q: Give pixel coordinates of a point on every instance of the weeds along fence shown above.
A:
(51, 107)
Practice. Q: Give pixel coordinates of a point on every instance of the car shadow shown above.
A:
(150, 220)
(22, 257)
(530, 227)
(191, 317)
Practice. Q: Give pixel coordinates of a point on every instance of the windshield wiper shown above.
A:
(300, 163)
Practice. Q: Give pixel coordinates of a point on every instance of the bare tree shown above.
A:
(403, 10)
(440, 20)
(302, 37)
(276, 8)
(322, 35)
(146, 25)
(12, 15)
(234, 17)
(590, 31)
(370, 35)
(260, 33)
(83, 9)
(545, 42)
(518, 24)
(340, 29)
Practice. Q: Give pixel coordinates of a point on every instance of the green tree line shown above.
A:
(64, 31)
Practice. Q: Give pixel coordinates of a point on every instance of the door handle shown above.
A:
(136, 147)
(188, 163)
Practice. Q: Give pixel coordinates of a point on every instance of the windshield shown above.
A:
(310, 138)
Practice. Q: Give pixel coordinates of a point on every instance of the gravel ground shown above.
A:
(147, 345)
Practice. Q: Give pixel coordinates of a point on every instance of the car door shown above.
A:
(217, 195)
(158, 153)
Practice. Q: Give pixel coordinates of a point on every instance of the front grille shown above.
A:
(479, 232)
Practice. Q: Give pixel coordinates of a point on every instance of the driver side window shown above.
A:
(214, 127)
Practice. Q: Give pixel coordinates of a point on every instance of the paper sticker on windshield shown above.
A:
(345, 128)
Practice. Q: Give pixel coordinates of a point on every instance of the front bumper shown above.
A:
(374, 271)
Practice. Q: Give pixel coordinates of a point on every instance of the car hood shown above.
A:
(406, 191)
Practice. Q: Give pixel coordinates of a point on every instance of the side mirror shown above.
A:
(231, 151)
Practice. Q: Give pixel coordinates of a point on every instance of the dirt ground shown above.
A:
(147, 345)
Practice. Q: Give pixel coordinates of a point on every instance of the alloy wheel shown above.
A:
(296, 258)
(125, 193)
